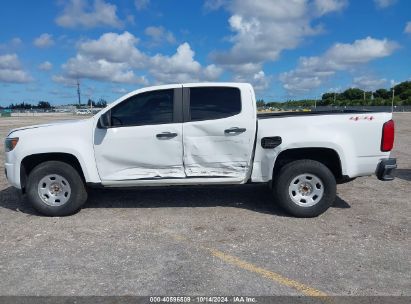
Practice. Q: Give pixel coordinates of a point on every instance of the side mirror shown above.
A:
(104, 122)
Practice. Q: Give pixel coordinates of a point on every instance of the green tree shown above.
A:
(404, 95)
(260, 103)
(43, 105)
(327, 96)
(91, 102)
(402, 87)
(101, 103)
(352, 94)
(382, 93)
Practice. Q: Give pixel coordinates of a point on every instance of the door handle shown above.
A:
(166, 135)
(235, 130)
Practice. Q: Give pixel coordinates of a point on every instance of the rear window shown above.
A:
(214, 103)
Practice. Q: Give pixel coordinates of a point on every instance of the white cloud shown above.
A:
(101, 69)
(260, 81)
(263, 29)
(64, 94)
(69, 82)
(11, 70)
(45, 66)
(361, 51)
(78, 13)
(10, 62)
(212, 72)
(113, 47)
(110, 58)
(369, 83)
(181, 67)
(14, 43)
(214, 4)
(141, 4)
(407, 28)
(115, 58)
(159, 35)
(118, 90)
(252, 74)
(311, 72)
(328, 6)
(44, 40)
(384, 3)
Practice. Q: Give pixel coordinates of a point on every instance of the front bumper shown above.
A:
(10, 175)
(386, 168)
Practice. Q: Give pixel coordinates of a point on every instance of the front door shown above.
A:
(219, 131)
(144, 140)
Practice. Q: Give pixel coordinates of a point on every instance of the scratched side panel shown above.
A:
(210, 152)
(135, 153)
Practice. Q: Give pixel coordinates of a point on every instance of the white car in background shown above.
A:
(83, 112)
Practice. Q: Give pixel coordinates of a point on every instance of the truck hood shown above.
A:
(50, 125)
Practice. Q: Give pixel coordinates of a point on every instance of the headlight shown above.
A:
(10, 143)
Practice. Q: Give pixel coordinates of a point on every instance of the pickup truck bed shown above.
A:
(309, 113)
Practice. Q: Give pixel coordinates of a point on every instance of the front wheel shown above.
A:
(305, 188)
(55, 188)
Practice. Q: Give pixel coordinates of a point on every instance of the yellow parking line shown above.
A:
(306, 290)
(275, 277)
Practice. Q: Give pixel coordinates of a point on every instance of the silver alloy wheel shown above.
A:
(306, 190)
(54, 190)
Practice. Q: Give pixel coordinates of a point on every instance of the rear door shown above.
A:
(218, 131)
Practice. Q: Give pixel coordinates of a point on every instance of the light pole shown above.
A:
(78, 92)
(393, 95)
(392, 102)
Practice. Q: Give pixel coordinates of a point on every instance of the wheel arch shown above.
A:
(29, 162)
(327, 156)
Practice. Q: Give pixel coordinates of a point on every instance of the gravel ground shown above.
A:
(211, 241)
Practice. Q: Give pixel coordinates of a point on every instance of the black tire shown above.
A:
(288, 173)
(76, 199)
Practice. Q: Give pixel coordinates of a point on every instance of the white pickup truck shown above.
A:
(199, 134)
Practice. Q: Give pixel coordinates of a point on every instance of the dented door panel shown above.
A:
(221, 147)
(136, 152)
(210, 152)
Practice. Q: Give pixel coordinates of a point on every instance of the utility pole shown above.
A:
(392, 102)
(393, 95)
(78, 93)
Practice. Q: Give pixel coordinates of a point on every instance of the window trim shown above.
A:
(177, 108)
(187, 101)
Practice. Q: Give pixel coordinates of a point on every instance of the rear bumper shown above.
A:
(385, 169)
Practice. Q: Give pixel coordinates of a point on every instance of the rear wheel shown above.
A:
(305, 188)
(56, 189)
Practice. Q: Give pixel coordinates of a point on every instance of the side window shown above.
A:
(214, 102)
(148, 108)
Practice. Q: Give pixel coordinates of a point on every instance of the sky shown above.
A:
(288, 49)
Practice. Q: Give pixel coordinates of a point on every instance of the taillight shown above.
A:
(387, 140)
